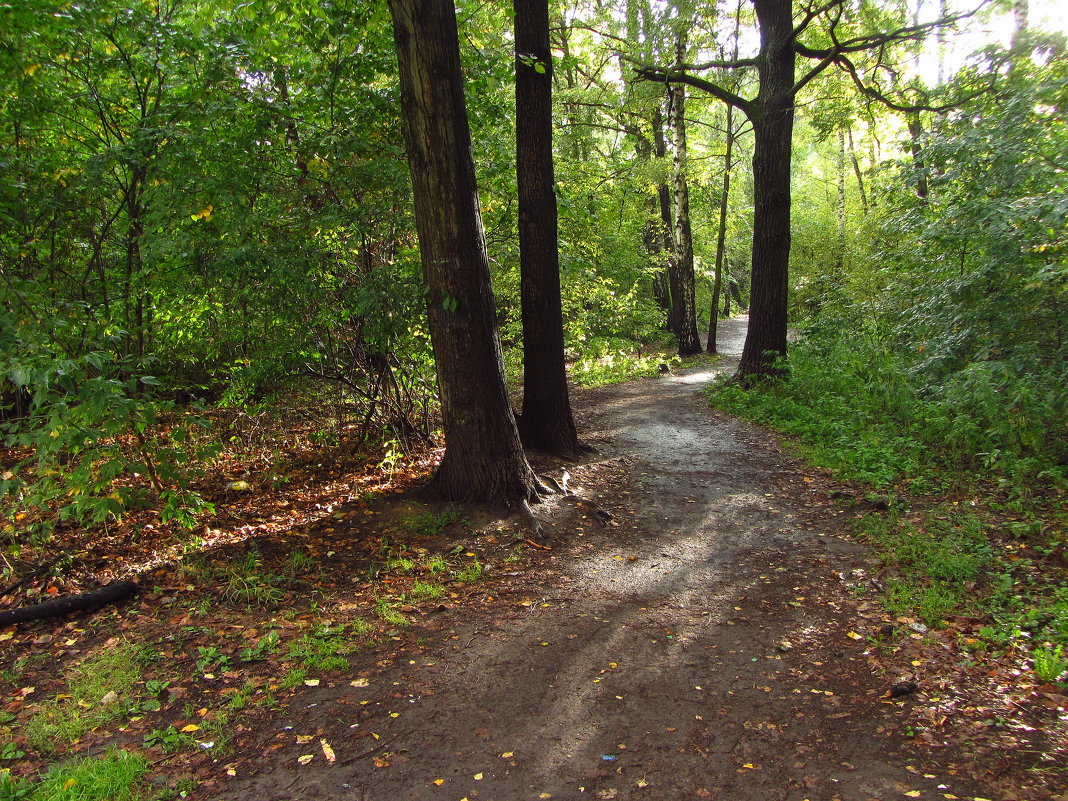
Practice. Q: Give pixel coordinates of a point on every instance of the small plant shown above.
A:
(169, 739)
(436, 565)
(267, 644)
(324, 649)
(293, 678)
(385, 609)
(1050, 662)
(300, 561)
(210, 659)
(423, 589)
(11, 751)
(429, 523)
(470, 573)
(11, 789)
(249, 584)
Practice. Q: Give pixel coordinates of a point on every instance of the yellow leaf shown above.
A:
(854, 636)
(69, 783)
(328, 752)
(30, 70)
(508, 755)
(749, 765)
(477, 777)
(192, 727)
(913, 793)
(305, 759)
(642, 783)
(439, 782)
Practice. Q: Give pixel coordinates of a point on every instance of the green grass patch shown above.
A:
(117, 776)
(101, 688)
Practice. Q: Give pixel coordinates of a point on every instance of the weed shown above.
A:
(210, 659)
(300, 561)
(267, 644)
(294, 678)
(389, 614)
(429, 523)
(470, 573)
(436, 565)
(1050, 662)
(324, 649)
(423, 589)
(169, 739)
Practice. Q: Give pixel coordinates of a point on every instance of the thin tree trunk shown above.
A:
(546, 422)
(683, 283)
(857, 171)
(484, 459)
(721, 236)
(840, 170)
(916, 148)
(667, 220)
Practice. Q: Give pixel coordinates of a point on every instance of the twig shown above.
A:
(378, 747)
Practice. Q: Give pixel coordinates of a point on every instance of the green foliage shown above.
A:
(610, 361)
(117, 776)
(60, 721)
(937, 564)
(1050, 662)
(327, 647)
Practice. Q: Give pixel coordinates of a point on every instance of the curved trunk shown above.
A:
(683, 289)
(484, 460)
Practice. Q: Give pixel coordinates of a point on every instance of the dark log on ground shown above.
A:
(84, 602)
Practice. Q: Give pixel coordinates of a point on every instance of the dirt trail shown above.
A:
(696, 647)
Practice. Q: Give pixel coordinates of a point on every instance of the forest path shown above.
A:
(697, 646)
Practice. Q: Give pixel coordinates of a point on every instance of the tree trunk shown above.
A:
(916, 147)
(484, 459)
(721, 236)
(840, 170)
(857, 172)
(546, 422)
(773, 122)
(667, 221)
(683, 284)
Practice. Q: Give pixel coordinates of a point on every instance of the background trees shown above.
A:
(210, 199)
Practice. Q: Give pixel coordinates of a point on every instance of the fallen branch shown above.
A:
(83, 602)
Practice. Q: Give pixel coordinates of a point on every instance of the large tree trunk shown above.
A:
(484, 459)
(721, 237)
(683, 284)
(773, 123)
(546, 422)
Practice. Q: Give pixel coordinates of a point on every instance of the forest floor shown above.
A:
(698, 622)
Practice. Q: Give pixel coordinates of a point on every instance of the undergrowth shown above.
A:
(974, 466)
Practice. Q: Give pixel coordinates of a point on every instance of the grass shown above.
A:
(328, 647)
(117, 776)
(64, 720)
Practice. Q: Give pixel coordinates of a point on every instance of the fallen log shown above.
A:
(83, 602)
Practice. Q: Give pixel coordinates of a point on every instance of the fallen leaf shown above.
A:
(379, 762)
(304, 738)
(360, 683)
(477, 777)
(508, 755)
(854, 636)
(305, 759)
(190, 728)
(439, 782)
(328, 752)
(311, 682)
(641, 783)
(913, 793)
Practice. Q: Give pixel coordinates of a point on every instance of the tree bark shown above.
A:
(667, 221)
(484, 459)
(772, 115)
(721, 236)
(546, 422)
(683, 283)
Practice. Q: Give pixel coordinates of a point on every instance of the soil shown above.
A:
(692, 633)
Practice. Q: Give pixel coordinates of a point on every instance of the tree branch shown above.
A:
(659, 75)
